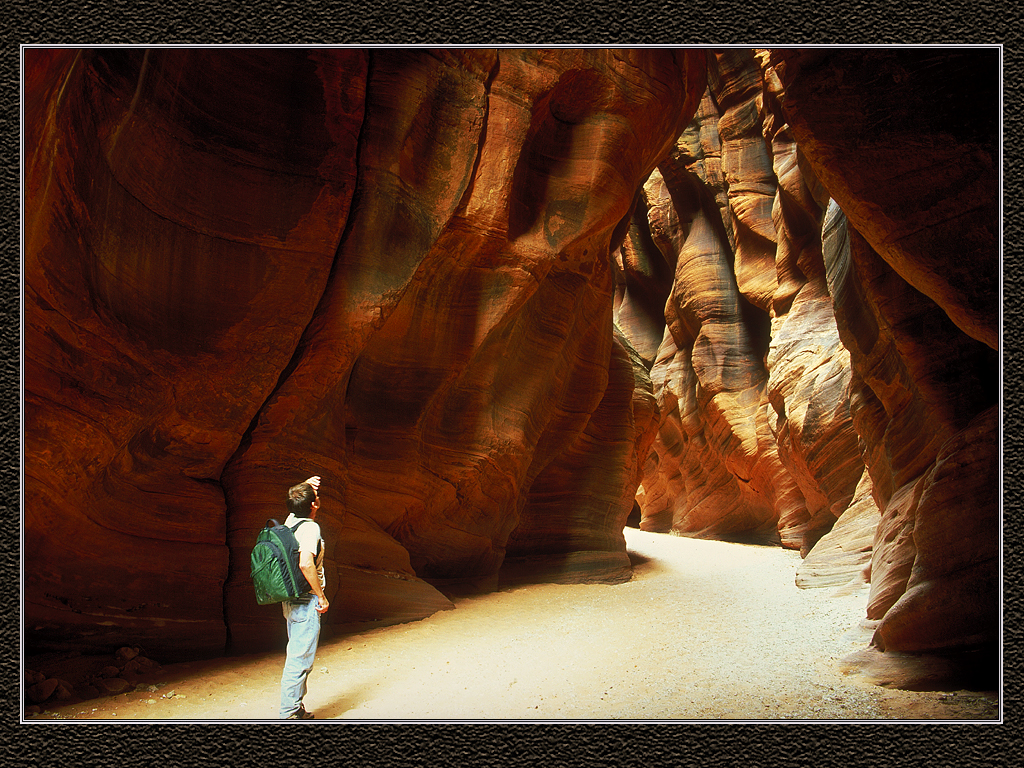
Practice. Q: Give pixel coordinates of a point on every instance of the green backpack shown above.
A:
(276, 575)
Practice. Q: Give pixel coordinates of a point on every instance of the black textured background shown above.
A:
(529, 22)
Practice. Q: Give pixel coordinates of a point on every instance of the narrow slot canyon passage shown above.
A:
(500, 304)
(717, 631)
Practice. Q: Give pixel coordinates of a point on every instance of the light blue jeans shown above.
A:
(303, 634)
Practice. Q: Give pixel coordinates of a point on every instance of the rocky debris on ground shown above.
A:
(71, 677)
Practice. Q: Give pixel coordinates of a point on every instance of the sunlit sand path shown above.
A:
(705, 630)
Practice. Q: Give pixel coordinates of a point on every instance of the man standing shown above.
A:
(302, 614)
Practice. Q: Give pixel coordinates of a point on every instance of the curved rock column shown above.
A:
(809, 368)
(755, 436)
(707, 377)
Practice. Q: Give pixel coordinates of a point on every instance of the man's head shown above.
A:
(303, 500)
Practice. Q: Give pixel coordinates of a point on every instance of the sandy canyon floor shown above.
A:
(706, 630)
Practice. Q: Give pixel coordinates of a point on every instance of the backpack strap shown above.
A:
(319, 541)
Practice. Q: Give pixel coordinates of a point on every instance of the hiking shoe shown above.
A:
(302, 714)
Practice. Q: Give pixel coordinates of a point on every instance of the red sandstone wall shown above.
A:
(847, 201)
(906, 144)
(389, 268)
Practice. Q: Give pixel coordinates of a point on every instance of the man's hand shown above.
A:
(315, 482)
(322, 604)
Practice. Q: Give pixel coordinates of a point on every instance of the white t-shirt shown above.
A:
(308, 535)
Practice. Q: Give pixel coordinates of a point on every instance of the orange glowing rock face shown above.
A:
(496, 299)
